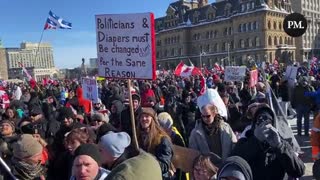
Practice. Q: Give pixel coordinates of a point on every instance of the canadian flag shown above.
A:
(217, 68)
(186, 71)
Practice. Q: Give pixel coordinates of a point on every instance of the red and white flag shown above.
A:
(25, 71)
(186, 71)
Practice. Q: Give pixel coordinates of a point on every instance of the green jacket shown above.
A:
(143, 166)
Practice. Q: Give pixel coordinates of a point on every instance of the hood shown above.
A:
(115, 90)
(119, 105)
(79, 92)
(235, 162)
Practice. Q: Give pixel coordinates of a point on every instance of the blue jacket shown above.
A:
(314, 94)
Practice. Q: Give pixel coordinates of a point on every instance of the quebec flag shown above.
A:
(54, 22)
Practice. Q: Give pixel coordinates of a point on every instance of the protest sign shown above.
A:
(253, 78)
(90, 89)
(291, 74)
(126, 46)
(235, 73)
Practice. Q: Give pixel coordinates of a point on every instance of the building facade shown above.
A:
(38, 59)
(308, 45)
(29, 55)
(229, 32)
(3, 62)
(93, 63)
(37, 73)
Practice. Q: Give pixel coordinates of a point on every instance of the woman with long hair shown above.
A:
(212, 134)
(154, 140)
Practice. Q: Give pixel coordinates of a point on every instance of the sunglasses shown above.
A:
(205, 116)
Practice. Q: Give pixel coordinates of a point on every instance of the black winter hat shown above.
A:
(35, 110)
(89, 150)
(65, 112)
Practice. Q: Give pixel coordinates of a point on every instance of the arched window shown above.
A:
(249, 26)
(257, 39)
(254, 25)
(275, 41)
(280, 26)
(240, 28)
(280, 40)
(244, 27)
(270, 41)
(250, 42)
(275, 25)
(269, 25)
(242, 43)
(216, 48)
(223, 46)
(285, 40)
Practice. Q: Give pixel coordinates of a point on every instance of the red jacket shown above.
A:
(85, 103)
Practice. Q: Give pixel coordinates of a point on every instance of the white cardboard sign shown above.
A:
(234, 73)
(90, 89)
(126, 46)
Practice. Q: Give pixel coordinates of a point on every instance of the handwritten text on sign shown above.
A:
(125, 45)
(90, 89)
(235, 73)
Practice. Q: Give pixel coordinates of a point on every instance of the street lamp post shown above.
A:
(201, 54)
(229, 54)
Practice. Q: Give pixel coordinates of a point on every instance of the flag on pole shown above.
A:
(54, 22)
(25, 71)
(187, 71)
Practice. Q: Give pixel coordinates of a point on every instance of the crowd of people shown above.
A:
(50, 131)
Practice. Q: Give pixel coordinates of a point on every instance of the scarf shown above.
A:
(26, 171)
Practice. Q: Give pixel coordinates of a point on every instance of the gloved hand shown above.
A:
(273, 137)
(260, 132)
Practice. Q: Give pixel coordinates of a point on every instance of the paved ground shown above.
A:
(305, 147)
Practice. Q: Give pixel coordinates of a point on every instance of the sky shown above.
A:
(23, 20)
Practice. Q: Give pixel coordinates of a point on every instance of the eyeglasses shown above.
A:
(205, 116)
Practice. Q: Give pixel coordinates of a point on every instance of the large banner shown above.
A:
(126, 46)
(234, 73)
(90, 89)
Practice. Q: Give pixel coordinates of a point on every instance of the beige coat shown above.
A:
(198, 140)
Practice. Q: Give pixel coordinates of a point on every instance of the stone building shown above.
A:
(37, 59)
(230, 32)
(3, 66)
(309, 44)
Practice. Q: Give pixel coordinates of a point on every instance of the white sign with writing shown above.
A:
(234, 73)
(90, 89)
(126, 46)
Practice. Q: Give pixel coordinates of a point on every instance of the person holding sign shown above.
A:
(156, 141)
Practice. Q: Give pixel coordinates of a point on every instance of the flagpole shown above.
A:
(37, 52)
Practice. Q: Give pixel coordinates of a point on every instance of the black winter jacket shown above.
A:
(268, 163)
